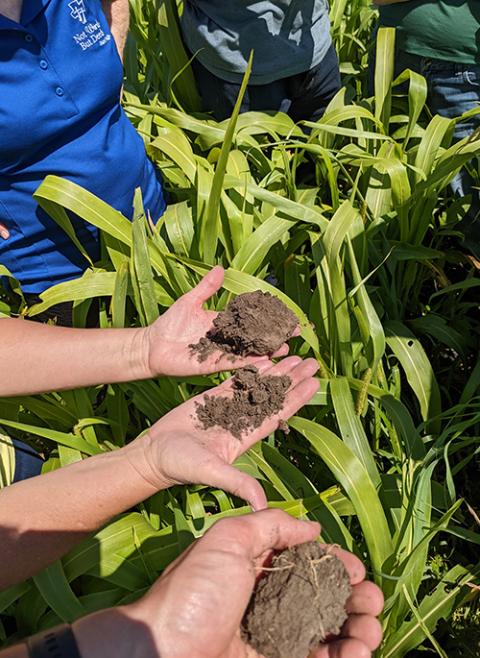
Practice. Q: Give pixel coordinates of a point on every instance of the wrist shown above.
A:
(136, 354)
(114, 632)
(143, 458)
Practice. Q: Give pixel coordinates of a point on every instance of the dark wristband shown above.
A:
(58, 642)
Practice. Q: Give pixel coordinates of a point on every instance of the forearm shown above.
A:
(112, 632)
(37, 358)
(18, 651)
(118, 16)
(41, 519)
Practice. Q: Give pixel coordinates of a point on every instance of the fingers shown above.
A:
(304, 370)
(208, 286)
(366, 598)
(4, 232)
(353, 565)
(239, 484)
(365, 628)
(296, 399)
(294, 367)
(252, 535)
(303, 388)
(351, 648)
(281, 352)
(216, 363)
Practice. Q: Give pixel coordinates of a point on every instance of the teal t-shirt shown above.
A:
(287, 36)
(440, 29)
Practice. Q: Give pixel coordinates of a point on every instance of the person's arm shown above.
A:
(38, 358)
(196, 607)
(18, 651)
(118, 17)
(41, 519)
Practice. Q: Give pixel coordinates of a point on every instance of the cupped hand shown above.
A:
(168, 340)
(196, 607)
(176, 450)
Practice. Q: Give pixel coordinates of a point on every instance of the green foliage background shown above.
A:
(355, 220)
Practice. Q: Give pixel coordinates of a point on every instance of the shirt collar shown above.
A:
(31, 9)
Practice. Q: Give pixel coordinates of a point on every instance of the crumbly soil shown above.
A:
(255, 398)
(253, 323)
(298, 603)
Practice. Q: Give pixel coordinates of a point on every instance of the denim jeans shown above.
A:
(28, 462)
(304, 96)
(452, 90)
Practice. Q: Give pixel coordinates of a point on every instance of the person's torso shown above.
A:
(441, 29)
(60, 81)
(287, 36)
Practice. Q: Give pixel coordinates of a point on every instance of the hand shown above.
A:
(4, 232)
(168, 340)
(176, 450)
(196, 607)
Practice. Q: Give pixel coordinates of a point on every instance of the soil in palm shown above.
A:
(298, 603)
(254, 397)
(253, 323)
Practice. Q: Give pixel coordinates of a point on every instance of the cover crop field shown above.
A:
(351, 223)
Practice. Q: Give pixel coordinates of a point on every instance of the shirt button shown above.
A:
(59, 91)
(28, 38)
(43, 64)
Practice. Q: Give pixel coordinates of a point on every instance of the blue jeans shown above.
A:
(452, 90)
(28, 462)
(304, 96)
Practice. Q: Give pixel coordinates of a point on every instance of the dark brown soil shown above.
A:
(253, 323)
(298, 603)
(255, 398)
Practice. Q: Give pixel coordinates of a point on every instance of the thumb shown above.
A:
(4, 232)
(239, 484)
(208, 286)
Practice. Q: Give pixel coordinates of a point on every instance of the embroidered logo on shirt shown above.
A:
(92, 32)
(78, 11)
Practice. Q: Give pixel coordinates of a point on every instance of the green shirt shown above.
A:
(439, 29)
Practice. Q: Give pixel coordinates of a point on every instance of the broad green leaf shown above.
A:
(55, 589)
(418, 369)
(351, 475)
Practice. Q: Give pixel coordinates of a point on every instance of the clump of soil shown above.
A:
(299, 603)
(253, 323)
(255, 398)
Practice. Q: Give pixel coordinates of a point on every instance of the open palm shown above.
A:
(169, 339)
(179, 451)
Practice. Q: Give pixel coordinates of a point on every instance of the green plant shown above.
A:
(353, 219)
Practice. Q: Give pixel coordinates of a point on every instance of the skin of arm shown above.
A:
(73, 502)
(118, 17)
(35, 355)
(196, 607)
(70, 504)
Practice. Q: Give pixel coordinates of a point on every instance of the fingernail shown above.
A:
(4, 233)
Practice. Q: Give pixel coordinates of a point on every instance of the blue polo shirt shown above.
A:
(60, 82)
